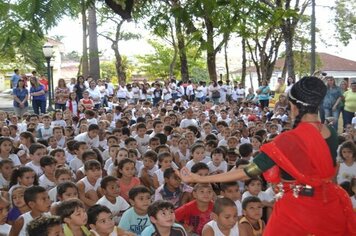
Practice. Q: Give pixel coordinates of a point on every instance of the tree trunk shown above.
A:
(84, 61)
(94, 65)
(173, 63)
(244, 62)
(211, 55)
(226, 62)
(121, 74)
(288, 42)
(182, 50)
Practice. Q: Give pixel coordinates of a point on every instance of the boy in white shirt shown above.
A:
(37, 151)
(91, 137)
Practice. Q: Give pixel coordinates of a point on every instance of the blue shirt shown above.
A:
(20, 94)
(331, 96)
(176, 230)
(133, 222)
(264, 95)
(14, 80)
(37, 89)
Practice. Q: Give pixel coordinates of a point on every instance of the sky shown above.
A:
(71, 30)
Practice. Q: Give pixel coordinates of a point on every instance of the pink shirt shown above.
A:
(125, 188)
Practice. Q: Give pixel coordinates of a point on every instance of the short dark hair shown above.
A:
(224, 186)
(168, 173)
(199, 166)
(88, 153)
(92, 165)
(93, 127)
(150, 154)
(94, 211)
(78, 144)
(220, 203)
(137, 190)
(62, 187)
(106, 180)
(121, 164)
(157, 206)
(249, 181)
(41, 225)
(55, 151)
(36, 146)
(245, 149)
(47, 161)
(66, 208)
(31, 193)
(130, 139)
(163, 155)
(248, 200)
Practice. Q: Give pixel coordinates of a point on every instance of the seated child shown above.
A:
(61, 175)
(173, 190)
(100, 221)
(201, 169)
(112, 198)
(254, 188)
(38, 201)
(19, 206)
(48, 165)
(4, 210)
(73, 217)
(224, 219)
(231, 190)
(45, 225)
(251, 223)
(217, 164)
(86, 156)
(148, 169)
(162, 217)
(6, 168)
(136, 219)
(88, 186)
(37, 151)
(195, 214)
(65, 191)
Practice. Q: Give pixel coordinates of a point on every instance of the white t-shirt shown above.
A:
(36, 168)
(3, 183)
(75, 164)
(150, 172)
(187, 122)
(346, 173)
(221, 168)
(46, 183)
(262, 196)
(142, 143)
(14, 158)
(353, 201)
(85, 138)
(120, 206)
(234, 231)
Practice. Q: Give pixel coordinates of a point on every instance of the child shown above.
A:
(45, 225)
(183, 154)
(88, 186)
(4, 210)
(86, 101)
(73, 217)
(195, 214)
(65, 191)
(165, 160)
(136, 219)
(231, 190)
(153, 143)
(162, 217)
(48, 165)
(86, 156)
(61, 175)
(251, 224)
(201, 169)
(91, 137)
(148, 169)
(217, 164)
(126, 175)
(72, 104)
(6, 169)
(173, 190)
(246, 151)
(37, 151)
(101, 222)
(122, 153)
(38, 201)
(133, 155)
(52, 144)
(256, 142)
(26, 139)
(112, 198)
(112, 153)
(142, 138)
(19, 206)
(198, 152)
(77, 162)
(224, 219)
(347, 169)
(6, 149)
(59, 156)
(111, 141)
(58, 133)
(58, 119)
(23, 176)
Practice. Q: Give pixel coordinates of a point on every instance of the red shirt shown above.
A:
(189, 214)
(44, 82)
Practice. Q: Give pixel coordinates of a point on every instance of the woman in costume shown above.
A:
(302, 162)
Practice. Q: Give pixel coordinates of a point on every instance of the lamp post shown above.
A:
(48, 53)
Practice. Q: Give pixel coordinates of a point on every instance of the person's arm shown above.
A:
(82, 196)
(234, 175)
(337, 103)
(16, 228)
(207, 231)
(155, 181)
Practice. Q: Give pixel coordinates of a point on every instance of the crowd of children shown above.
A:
(113, 171)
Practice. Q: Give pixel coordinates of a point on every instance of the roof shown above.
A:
(328, 63)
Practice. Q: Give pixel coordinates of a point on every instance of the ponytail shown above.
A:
(18, 173)
(302, 111)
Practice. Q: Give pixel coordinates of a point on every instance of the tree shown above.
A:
(84, 60)
(94, 64)
(115, 36)
(345, 20)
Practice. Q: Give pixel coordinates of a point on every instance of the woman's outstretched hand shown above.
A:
(186, 176)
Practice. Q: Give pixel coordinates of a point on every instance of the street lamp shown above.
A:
(48, 53)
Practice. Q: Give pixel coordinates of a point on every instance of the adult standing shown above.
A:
(20, 94)
(310, 202)
(263, 94)
(38, 93)
(214, 91)
(349, 104)
(331, 101)
(79, 88)
(94, 94)
(15, 78)
(279, 89)
(290, 83)
(61, 95)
